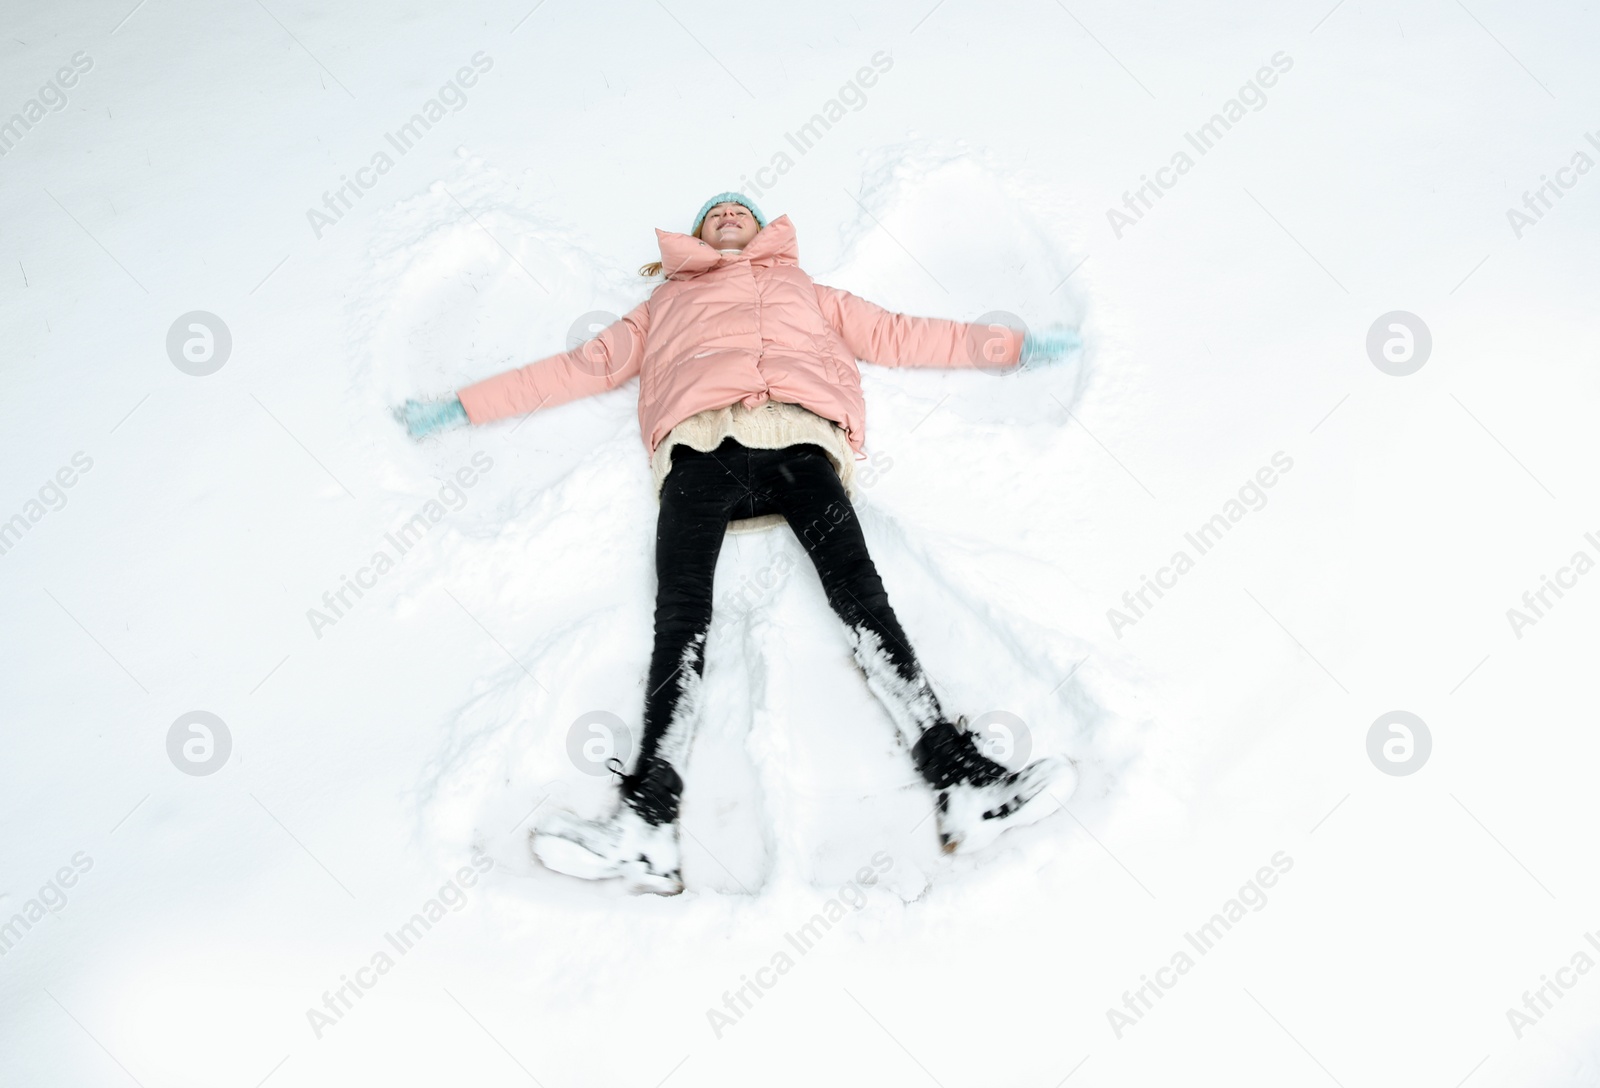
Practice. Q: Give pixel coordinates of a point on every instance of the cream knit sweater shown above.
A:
(772, 426)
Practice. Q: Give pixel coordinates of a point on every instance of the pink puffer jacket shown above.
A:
(744, 327)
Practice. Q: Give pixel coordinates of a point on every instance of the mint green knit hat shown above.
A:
(727, 198)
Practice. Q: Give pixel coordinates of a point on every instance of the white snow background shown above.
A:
(191, 922)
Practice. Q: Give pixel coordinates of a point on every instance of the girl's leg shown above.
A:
(805, 487)
(697, 498)
(639, 841)
(977, 798)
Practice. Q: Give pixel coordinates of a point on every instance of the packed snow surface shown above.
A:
(285, 690)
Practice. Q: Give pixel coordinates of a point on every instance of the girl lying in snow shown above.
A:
(751, 407)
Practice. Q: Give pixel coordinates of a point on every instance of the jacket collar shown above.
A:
(684, 256)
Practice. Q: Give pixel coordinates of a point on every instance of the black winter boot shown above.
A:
(979, 798)
(638, 842)
(653, 790)
(947, 754)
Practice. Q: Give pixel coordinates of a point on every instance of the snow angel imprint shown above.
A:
(752, 415)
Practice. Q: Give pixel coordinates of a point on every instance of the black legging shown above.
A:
(701, 494)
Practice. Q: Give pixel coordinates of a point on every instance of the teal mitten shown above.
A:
(425, 417)
(1048, 347)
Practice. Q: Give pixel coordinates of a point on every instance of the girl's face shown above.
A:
(728, 226)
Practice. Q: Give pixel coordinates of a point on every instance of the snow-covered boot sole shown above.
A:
(971, 817)
(644, 855)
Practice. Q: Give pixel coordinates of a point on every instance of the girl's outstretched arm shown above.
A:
(599, 364)
(881, 336)
(594, 366)
(603, 362)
